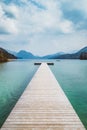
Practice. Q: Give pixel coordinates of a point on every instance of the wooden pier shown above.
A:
(43, 106)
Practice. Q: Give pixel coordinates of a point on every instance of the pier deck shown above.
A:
(43, 106)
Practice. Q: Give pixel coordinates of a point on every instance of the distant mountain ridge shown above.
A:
(28, 55)
(53, 56)
(22, 54)
(25, 55)
(60, 55)
(5, 55)
(74, 55)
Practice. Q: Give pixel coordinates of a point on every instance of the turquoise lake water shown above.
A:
(71, 75)
(14, 77)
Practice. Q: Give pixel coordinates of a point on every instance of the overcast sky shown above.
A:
(43, 26)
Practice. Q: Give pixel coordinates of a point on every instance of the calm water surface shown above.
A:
(14, 77)
(72, 76)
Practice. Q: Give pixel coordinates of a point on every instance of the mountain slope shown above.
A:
(4, 55)
(60, 55)
(74, 55)
(25, 55)
(53, 56)
(83, 55)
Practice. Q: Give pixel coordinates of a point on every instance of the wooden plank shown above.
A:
(43, 106)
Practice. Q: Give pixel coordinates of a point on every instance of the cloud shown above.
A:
(11, 11)
(37, 4)
(7, 24)
(52, 17)
(78, 6)
(36, 16)
(48, 43)
(35, 22)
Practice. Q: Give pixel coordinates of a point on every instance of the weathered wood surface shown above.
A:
(43, 106)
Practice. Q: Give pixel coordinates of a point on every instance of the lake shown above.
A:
(14, 77)
(71, 75)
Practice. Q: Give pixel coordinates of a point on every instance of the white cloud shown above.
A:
(66, 26)
(39, 23)
(1, 12)
(12, 9)
(50, 18)
(31, 19)
(7, 25)
(65, 43)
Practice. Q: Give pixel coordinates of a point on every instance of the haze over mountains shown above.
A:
(60, 55)
(5, 55)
